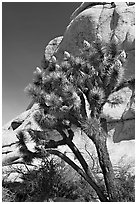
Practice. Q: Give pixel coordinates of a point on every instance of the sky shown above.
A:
(27, 27)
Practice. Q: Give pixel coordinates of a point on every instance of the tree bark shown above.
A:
(99, 139)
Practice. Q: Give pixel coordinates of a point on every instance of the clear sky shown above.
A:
(26, 30)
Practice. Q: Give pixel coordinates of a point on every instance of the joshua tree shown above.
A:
(71, 94)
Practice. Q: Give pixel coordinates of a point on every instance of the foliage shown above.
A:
(125, 183)
(38, 184)
(7, 195)
(49, 182)
(59, 89)
(126, 187)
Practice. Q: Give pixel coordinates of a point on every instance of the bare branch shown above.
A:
(90, 157)
(83, 105)
(101, 195)
(54, 144)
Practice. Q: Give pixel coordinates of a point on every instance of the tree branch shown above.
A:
(73, 147)
(77, 153)
(54, 144)
(83, 105)
(90, 157)
(100, 194)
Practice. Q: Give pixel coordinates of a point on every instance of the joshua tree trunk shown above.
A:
(106, 167)
(99, 139)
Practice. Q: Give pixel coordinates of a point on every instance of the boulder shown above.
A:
(109, 21)
(10, 149)
(52, 47)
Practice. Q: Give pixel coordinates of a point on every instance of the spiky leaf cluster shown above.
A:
(93, 75)
(24, 148)
(56, 95)
(105, 65)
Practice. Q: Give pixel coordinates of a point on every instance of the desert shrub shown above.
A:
(37, 183)
(50, 181)
(126, 187)
(53, 179)
(7, 195)
(40, 184)
(126, 184)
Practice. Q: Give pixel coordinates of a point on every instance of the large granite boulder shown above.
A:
(109, 21)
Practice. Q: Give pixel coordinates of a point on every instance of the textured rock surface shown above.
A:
(10, 149)
(121, 119)
(52, 47)
(107, 21)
